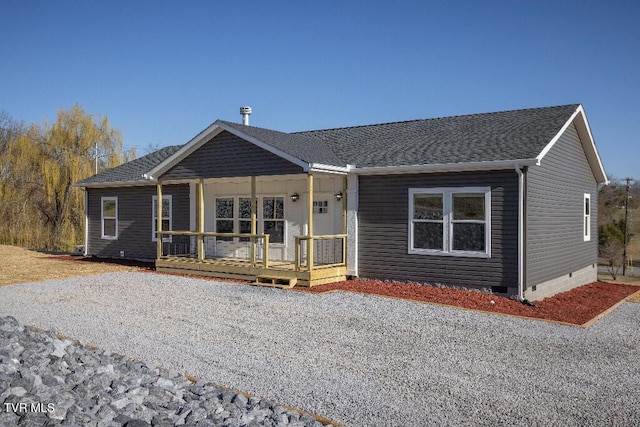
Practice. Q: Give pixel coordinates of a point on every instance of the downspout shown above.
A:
(521, 297)
(86, 222)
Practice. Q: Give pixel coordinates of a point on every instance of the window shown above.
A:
(320, 207)
(273, 218)
(450, 221)
(587, 217)
(166, 217)
(244, 217)
(224, 217)
(109, 217)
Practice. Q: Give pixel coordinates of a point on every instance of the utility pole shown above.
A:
(626, 227)
(95, 154)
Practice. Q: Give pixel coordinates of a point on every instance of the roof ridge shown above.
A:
(250, 126)
(436, 118)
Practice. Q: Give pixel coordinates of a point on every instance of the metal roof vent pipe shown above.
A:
(245, 112)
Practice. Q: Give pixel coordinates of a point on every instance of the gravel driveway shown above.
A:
(357, 359)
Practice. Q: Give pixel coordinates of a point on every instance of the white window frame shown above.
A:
(154, 219)
(447, 220)
(586, 217)
(102, 218)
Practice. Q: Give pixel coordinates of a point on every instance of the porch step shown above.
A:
(276, 281)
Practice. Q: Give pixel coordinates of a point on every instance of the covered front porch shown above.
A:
(281, 230)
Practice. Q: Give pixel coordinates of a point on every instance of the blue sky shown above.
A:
(164, 70)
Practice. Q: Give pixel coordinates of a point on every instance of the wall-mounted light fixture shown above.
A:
(338, 196)
(295, 197)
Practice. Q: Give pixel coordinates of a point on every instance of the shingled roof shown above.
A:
(298, 145)
(134, 170)
(507, 135)
(475, 138)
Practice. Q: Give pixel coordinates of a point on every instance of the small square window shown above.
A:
(320, 207)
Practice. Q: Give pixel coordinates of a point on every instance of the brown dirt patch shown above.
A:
(20, 265)
(576, 307)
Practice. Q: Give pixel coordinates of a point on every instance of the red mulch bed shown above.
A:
(576, 306)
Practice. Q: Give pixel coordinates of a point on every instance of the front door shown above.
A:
(326, 251)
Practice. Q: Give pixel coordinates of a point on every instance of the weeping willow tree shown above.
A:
(39, 206)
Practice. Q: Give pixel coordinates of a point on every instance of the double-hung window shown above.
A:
(450, 221)
(166, 217)
(587, 218)
(244, 217)
(273, 218)
(109, 217)
(224, 217)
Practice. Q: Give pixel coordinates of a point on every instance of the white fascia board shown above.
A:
(588, 144)
(555, 139)
(319, 167)
(191, 146)
(255, 141)
(445, 167)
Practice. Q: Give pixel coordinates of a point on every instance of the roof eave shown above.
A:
(445, 167)
(110, 184)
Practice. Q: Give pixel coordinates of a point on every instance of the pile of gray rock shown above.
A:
(45, 380)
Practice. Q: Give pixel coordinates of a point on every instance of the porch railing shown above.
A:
(253, 248)
(328, 250)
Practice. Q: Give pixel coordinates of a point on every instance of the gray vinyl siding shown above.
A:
(555, 244)
(226, 156)
(134, 220)
(383, 232)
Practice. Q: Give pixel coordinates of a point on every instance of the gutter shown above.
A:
(445, 167)
(320, 167)
(86, 223)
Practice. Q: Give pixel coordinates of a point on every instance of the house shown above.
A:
(505, 201)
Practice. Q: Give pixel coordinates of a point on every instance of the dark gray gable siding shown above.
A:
(134, 220)
(310, 150)
(555, 196)
(383, 231)
(226, 156)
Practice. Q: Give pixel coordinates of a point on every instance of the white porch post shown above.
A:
(344, 219)
(159, 220)
(200, 218)
(252, 240)
(310, 221)
(352, 224)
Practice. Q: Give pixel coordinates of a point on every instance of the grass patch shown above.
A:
(20, 265)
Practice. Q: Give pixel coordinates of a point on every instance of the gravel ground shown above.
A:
(357, 359)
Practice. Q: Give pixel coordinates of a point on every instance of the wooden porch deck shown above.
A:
(243, 270)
